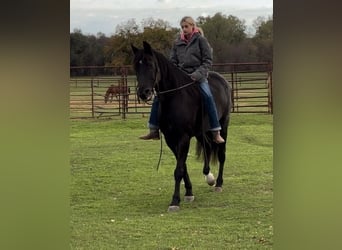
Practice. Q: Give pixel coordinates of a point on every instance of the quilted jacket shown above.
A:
(194, 57)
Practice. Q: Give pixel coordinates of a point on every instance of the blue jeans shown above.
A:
(209, 104)
(153, 121)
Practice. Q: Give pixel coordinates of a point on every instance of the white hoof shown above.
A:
(189, 198)
(218, 189)
(173, 209)
(210, 179)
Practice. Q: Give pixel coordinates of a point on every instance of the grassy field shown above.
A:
(119, 200)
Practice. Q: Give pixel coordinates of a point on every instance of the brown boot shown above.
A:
(217, 137)
(153, 135)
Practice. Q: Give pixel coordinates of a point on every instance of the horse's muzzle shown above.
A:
(145, 94)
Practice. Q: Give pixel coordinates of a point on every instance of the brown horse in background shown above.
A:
(116, 91)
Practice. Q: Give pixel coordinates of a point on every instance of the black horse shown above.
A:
(182, 114)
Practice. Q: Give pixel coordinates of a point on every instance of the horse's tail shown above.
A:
(200, 150)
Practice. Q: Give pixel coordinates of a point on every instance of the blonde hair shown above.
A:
(189, 20)
(200, 30)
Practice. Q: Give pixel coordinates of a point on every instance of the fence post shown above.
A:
(270, 90)
(125, 88)
(92, 97)
(270, 93)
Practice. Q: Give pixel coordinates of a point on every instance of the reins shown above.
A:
(161, 138)
(203, 142)
(176, 89)
(161, 151)
(158, 93)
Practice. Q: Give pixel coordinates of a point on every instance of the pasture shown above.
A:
(119, 200)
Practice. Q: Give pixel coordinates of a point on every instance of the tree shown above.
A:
(226, 34)
(157, 32)
(117, 52)
(128, 29)
(78, 44)
(86, 50)
(263, 39)
(223, 33)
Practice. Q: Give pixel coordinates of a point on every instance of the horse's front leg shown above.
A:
(180, 172)
(188, 197)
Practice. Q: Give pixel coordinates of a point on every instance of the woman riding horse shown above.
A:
(192, 53)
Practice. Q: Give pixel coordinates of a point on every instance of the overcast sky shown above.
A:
(93, 16)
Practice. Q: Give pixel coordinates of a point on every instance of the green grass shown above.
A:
(119, 200)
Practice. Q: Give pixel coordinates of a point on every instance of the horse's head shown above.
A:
(106, 96)
(147, 71)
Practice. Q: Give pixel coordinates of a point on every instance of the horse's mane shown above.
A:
(166, 65)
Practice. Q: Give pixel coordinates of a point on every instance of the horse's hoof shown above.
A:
(173, 209)
(189, 198)
(210, 179)
(218, 189)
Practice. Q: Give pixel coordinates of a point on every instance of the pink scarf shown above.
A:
(183, 38)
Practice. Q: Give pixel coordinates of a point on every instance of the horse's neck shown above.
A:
(171, 76)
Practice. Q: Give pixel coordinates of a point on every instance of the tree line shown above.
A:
(227, 35)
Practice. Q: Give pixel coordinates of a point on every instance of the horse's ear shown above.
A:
(147, 47)
(135, 49)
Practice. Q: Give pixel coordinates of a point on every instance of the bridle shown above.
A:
(156, 83)
(159, 93)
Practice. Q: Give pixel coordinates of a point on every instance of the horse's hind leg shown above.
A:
(222, 158)
(206, 157)
(209, 177)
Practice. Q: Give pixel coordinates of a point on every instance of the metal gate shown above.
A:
(251, 85)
